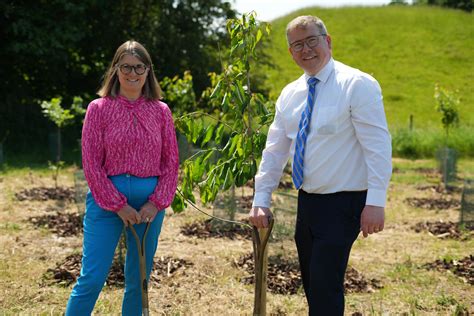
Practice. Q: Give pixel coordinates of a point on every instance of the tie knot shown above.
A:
(312, 81)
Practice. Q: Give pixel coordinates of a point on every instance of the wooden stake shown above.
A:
(260, 241)
(142, 259)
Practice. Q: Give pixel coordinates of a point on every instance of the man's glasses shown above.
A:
(311, 41)
(127, 69)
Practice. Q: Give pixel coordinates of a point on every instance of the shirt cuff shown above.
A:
(376, 197)
(156, 203)
(262, 199)
(118, 207)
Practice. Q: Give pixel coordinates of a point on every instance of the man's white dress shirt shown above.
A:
(348, 146)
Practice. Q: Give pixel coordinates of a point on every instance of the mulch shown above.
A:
(463, 268)
(283, 276)
(212, 228)
(67, 271)
(428, 171)
(434, 203)
(443, 229)
(62, 224)
(46, 193)
(439, 188)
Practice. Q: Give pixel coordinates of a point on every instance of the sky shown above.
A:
(268, 10)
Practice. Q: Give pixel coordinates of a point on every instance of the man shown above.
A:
(332, 123)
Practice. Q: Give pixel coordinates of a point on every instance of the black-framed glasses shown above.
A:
(127, 69)
(311, 41)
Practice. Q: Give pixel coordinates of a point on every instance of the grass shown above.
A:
(211, 286)
(423, 143)
(407, 49)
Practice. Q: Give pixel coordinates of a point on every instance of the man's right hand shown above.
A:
(260, 216)
(129, 215)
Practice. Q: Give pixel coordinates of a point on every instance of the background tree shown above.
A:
(466, 5)
(230, 134)
(44, 57)
(446, 104)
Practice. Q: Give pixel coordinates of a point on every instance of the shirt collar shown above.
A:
(130, 104)
(324, 73)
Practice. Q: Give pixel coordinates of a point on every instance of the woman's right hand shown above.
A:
(129, 215)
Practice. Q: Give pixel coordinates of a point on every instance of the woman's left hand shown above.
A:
(148, 212)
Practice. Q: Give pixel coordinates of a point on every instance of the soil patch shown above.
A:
(213, 228)
(355, 282)
(284, 276)
(463, 268)
(434, 203)
(46, 193)
(62, 224)
(67, 271)
(439, 188)
(442, 229)
(428, 171)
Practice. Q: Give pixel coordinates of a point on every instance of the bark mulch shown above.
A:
(442, 229)
(67, 271)
(434, 203)
(463, 268)
(62, 224)
(439, 188)
(46, 193)
(212, 228)
(284, 276)
(428, 171)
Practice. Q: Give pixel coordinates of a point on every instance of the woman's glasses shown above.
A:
(127, 69)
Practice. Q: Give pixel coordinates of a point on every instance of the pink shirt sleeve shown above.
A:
(166, 188)
(104, 192)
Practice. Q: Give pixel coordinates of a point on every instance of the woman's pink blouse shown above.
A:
(129, 137)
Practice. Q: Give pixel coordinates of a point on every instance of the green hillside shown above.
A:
(407, 49)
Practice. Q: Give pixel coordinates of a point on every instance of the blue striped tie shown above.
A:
(303, 134)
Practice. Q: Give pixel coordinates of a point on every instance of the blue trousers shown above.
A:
(102, 230)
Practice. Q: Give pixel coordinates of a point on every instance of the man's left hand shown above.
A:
(148, 212)
(372, 220)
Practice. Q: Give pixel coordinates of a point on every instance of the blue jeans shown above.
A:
(102, 230)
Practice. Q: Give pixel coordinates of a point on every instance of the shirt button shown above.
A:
(127, 175)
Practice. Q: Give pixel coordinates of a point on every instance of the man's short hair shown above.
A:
(303, 22)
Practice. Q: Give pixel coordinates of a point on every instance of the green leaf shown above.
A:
(239, 148)
(259, 36)
(254, 168)
(219, 133)
(198, 169)
(197, 129)
(209, 132)
(178, 205)
(234, 142)
(216, 89)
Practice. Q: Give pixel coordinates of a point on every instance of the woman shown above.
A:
(130, 160)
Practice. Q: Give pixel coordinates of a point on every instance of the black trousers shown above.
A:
(326, 227)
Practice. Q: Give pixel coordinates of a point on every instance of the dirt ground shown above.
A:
(418, 265)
